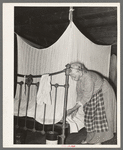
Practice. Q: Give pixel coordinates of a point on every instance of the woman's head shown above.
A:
(76, 70)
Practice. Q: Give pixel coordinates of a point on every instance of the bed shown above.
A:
(26, 123)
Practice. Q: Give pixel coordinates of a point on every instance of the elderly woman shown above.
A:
(97, 98)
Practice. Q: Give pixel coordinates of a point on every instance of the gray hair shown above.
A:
(78, 66)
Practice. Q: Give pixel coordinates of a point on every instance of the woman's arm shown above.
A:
(85, 93)
(76, 107)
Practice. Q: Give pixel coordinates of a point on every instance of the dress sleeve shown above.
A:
(85, 91)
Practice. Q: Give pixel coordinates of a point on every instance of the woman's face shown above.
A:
(75, 74)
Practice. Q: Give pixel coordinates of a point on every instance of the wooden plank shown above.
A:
(63, 15)
(106, 31)
(94, 22)
(88, 11)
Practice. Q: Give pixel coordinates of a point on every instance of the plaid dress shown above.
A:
(95, 116)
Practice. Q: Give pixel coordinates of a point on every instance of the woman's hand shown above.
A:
(73, 110)
(69, 112)
(73, 114)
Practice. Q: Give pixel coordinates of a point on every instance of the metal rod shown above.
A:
(27, 105)
(34, 128)
(65, 102)
(20, 94)
(56, 86)
(38, 76)
(43, 131)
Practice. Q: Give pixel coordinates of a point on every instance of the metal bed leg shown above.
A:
(29, 81)
(20, 94)
(65, 103)
(34, 128)
(43, 131)
(56, 86)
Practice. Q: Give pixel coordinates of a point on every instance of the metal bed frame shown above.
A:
(29, 83)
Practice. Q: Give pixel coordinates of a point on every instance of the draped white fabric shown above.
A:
(71, 46)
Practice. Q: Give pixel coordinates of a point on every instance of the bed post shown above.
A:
(29, 81)
(65, 102)
(20, 95)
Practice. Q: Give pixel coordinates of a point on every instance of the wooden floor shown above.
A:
(38, 138)
(28, 137)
